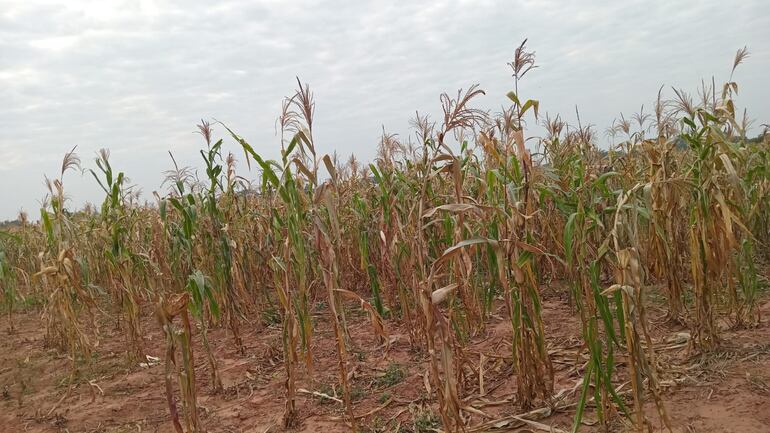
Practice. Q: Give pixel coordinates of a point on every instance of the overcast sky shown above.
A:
(136, 76)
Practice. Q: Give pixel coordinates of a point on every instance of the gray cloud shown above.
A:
(135, 76)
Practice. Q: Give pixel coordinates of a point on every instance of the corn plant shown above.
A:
(667, 197)
(7, 278)
(363, 242)
(202, 299)
(582, 202)
(217, 236)
(180, 339)
(712, 221)
(629, 274)
(291, 265)
(518, 257)
(329, 238)
(117, 223)
(61, 272)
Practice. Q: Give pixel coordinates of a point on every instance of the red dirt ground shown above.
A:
(727, 390)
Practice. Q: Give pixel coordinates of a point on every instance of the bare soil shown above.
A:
(725, 390)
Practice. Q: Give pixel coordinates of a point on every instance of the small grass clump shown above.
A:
(426, 421)
(393, 375)
(270, 316)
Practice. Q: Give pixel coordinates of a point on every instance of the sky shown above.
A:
(137, 76)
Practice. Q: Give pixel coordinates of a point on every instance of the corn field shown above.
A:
(473, 216)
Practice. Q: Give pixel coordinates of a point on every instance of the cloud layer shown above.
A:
(136, 76)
